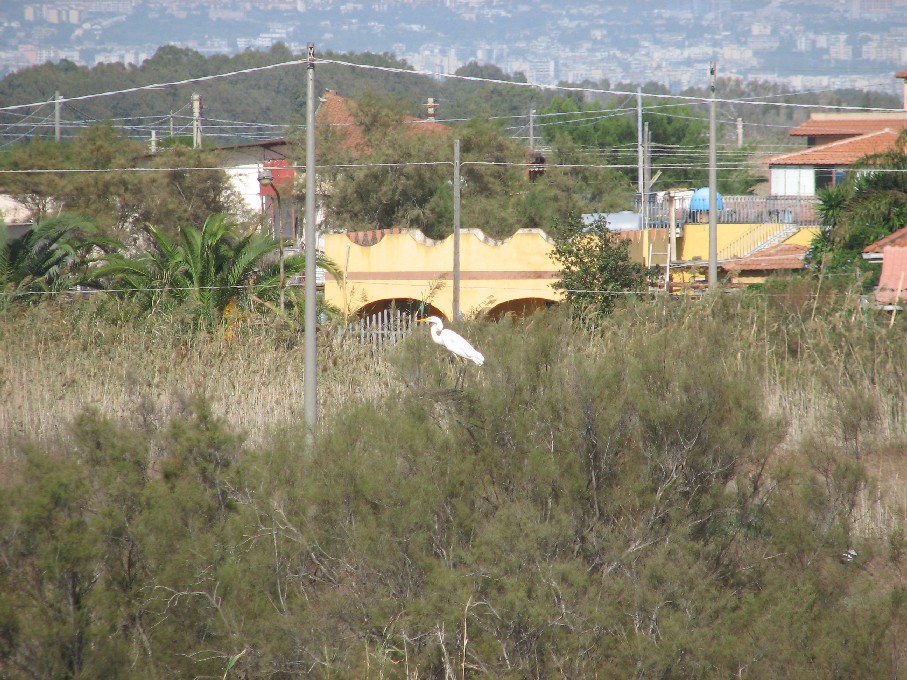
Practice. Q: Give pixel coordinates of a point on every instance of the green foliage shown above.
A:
(679, 133)
(595, 266)
(616, 501)
(106, 186)
(206, 269)
(403, 178)
(54, 256)
(871, 204)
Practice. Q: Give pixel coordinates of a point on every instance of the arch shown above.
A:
(407, 306)
(520, 307)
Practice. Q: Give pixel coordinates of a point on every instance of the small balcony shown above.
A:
(794, 210)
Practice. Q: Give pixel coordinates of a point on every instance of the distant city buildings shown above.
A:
(824, 43)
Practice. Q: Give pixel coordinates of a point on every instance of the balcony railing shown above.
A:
(795, 210)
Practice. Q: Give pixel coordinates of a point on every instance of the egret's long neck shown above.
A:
(436, 332)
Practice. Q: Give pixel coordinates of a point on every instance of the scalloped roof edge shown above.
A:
(374, 236)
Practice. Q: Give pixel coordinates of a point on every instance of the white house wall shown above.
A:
(244, 180)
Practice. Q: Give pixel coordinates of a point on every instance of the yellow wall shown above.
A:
(695, 240)
(409, 265)
(504, 274)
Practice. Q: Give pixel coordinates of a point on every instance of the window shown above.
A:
(825, 177)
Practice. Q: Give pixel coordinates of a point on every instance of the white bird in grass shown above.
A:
(453, 342)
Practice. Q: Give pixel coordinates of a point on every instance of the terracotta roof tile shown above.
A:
(842, 125)
(901, 74)
(777, 257)
(896, 238)
(840, 153)
(893, 281)
(340, 113)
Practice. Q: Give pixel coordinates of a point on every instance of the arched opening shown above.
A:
(521, 308)
(405, 306)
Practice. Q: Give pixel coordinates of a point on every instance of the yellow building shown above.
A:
(411, 271)
(403, 268)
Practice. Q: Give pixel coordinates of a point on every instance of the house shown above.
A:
(891, 251)
(834, 142)
(341, 115)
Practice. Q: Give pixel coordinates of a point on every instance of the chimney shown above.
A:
(903, 76)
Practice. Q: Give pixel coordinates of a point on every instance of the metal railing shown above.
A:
(799, 210)
(759, 237)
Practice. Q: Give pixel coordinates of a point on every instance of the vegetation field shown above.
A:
(669, 491)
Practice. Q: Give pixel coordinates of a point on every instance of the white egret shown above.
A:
(453, 343)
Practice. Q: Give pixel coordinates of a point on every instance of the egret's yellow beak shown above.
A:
(422, 319)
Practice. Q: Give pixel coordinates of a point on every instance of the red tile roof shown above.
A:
(901, 74)
(893, 281)
(844, 152)
(848, 125)
(341, 113)
(777, 257)
(896, 238)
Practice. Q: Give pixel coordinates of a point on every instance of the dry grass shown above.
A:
(834, 374)
(56, 363)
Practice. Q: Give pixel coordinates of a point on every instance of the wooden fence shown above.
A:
(384, 329)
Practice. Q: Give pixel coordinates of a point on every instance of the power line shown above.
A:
(410, 72)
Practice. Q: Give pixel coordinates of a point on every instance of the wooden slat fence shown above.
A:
(377, 331)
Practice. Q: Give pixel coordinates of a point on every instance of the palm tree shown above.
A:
(55, 255)
(871, 204)
(207, 268)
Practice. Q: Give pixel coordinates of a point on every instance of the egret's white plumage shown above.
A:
(453, 342)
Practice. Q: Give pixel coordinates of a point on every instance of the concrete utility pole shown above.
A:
(532, 129)
(713, 188)
(646, 177)
(640, 153)
(739, 132)
(57, 103)
(196, 121)
(310, 352)
(456, 232)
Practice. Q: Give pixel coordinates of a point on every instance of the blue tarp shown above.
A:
(700, 200)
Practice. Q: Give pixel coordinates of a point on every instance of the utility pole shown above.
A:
(456, 232)
(739, 132)
(310, 353)
(532, 129)
(196, 121)
(57, 102)
(713, 188)
(672, 248)
(640, 153)
(646, 173)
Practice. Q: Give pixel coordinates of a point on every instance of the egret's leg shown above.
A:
(460, 377)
